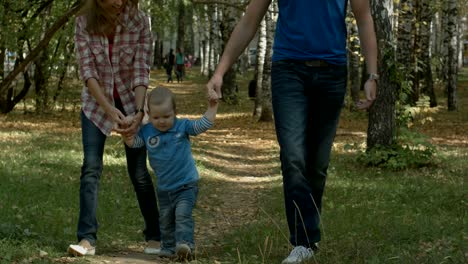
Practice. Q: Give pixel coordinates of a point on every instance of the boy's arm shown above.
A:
(133, 141)
(129, 140)
(195, 127)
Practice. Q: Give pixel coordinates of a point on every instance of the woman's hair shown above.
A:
(160, 95)
(99, 21)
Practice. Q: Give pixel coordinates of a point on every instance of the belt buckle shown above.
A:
(316, 63)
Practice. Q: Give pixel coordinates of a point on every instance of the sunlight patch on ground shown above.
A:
(244, 166)
(243, 179)
(230, 139)
(219, 116)
(15, 136)
(40, 126)
(458, 152)
(342, 132)
(225, 155)
(449, 141)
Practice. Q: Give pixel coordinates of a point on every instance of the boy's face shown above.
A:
(162, 116)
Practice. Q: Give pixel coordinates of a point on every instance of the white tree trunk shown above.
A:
(381, 130)
(452, 64)
(261, 51)
(266, 114)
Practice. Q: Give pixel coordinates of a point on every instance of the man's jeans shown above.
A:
(306, 103)
(176, 220)
(93, 148)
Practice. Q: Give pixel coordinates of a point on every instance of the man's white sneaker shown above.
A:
(153, 247)
(166, 253)
(83, 248)
(298, 255)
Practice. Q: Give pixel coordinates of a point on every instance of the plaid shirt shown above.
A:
(128, 68)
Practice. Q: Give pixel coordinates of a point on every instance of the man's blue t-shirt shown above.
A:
(311, 30)
(170, 154)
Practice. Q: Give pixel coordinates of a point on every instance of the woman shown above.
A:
(113, 42)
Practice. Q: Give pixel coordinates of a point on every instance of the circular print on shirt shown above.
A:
(153, 141)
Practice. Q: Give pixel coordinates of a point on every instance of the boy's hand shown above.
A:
(212, 95)
(130, 125)
(212, 98)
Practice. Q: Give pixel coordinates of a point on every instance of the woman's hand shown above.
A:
(130, 125)
(117, 117)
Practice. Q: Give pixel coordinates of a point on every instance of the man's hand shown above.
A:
(214, 85)
(370, 88)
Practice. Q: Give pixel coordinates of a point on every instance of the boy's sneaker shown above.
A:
(83, 248)
(153, 247)
(298, 255)
(183, 252)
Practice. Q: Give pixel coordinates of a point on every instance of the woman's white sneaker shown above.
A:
(153, 247)
(83, 248)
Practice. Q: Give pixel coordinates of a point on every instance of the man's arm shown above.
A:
(241, 36)
(365, 23)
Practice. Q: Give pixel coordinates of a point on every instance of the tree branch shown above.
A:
(240, 6)
(42, 44)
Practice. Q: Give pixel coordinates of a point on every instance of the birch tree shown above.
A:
(259, 66)
(228, 22)
(381, 129)
(451, 12)
(405, 46)
(353, 58)
(424, 73)
(266, 114)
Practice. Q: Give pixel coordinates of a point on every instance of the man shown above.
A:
(309, 77)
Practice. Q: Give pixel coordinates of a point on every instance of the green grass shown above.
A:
(370, 215)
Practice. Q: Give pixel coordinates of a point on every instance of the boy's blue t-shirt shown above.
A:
(169, 152)
(311, 30)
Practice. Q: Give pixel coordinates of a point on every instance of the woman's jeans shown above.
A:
(307, 99)
(176, 220)
(93, 148)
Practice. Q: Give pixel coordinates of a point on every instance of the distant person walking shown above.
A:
(180, 71)
(169, 65)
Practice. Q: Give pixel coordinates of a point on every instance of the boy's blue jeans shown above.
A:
(175, 216)
(307, 101)
(93, 148)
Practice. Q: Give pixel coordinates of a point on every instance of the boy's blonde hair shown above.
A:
(160, 95)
